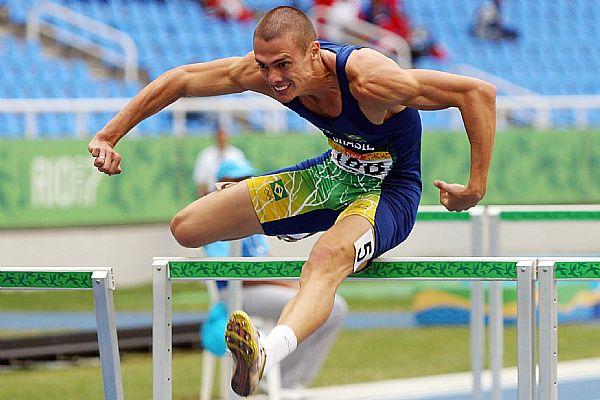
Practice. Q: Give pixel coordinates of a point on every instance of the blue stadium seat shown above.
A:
(554, 54)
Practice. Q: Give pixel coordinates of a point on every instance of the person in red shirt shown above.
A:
(390, 15)
(229, 9)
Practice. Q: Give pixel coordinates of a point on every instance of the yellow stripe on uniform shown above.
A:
(365, 206)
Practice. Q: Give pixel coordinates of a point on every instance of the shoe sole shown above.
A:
(242, 342)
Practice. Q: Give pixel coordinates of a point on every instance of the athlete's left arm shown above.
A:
(387, 85)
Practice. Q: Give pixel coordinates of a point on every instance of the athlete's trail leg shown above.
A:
(223, 215)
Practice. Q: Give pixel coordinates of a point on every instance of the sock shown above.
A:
(279, 344)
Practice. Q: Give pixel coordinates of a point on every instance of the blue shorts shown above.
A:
(312, 195)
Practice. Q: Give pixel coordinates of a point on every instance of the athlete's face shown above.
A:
(286, 67)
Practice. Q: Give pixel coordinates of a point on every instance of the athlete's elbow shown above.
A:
(487, 92)
(482, 94)
(176, 80)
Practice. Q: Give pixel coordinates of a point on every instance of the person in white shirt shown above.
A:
(209, 159)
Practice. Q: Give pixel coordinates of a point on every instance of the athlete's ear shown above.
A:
(315, 48)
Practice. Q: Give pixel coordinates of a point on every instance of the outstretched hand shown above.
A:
(106, 159)
(457, 197)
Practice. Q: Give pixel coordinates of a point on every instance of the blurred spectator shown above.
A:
(333, 15)
(321, 13)
(229, 9)
(266, 299)
(488, 23)
(209, 159)
(386, 14)
(390, 15)
(422, 44)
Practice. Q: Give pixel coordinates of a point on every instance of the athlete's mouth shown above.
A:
(281, 88)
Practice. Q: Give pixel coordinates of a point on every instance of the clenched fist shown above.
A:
(457, 197)
(106, 159)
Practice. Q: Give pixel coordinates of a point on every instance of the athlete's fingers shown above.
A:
(94, 150)
(444, 198)
(113, 167)
(107, 161)
(116, 160)
(99, 161)
(440, 184)
(448, 187)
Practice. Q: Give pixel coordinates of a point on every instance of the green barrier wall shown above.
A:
(52, 183)
(528, 167)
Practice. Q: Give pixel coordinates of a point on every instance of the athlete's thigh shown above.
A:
(293, 200)
(222, 215)
(380, 221)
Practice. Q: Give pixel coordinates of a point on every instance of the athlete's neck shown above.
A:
(324, 82)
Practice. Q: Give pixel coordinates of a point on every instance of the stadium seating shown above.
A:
(553, 55)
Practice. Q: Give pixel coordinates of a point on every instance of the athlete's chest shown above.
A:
(331, 106)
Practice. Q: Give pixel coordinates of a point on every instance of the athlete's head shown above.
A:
(222, 138)
(285, 49)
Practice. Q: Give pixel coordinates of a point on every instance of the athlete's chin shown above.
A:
(285, 98)
(284, 95)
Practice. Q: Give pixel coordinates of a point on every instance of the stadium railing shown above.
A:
(227, 108)
(37, 24)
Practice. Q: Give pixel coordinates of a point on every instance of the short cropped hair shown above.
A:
(285, 20)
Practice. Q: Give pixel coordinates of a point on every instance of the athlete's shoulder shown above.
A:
(366, 62)
(374, 77)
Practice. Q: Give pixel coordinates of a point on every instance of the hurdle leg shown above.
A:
(496, 334)
(526, 271)
(548, 336)
(107, 335)
(496, 318)
(477, 337)
(162, 340)
(477, 320)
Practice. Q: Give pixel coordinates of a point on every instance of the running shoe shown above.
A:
(248, 354)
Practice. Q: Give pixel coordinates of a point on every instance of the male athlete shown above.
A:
(363, 192)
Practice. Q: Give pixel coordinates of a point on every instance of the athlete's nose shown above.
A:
(274, 77)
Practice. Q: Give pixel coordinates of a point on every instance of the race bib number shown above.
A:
(377, 168)
(364, 248)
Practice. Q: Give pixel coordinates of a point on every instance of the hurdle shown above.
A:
(166, 270)
(550, 271)
(98, 279)
(505, 216)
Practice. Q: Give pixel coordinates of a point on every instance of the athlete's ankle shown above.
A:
(279, 344)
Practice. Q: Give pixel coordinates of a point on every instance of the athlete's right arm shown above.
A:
(223, 76)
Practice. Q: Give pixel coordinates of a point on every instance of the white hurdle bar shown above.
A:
(552, 270)
(497, 216)
(101, 281)
(522, 270)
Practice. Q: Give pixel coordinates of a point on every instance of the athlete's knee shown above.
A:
(329, 259)
(184, 233)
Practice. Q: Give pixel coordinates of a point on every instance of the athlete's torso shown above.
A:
(390, 150)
